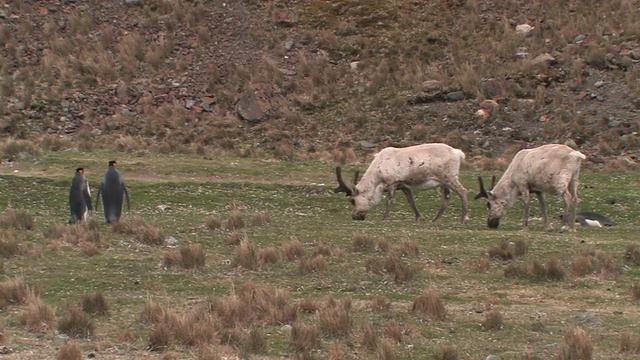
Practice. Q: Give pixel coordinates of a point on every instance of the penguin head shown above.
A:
(80, 171)
(113, 163)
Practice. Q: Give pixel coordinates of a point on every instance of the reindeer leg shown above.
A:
(412, 202)
(462, 192)
(391, 193)
(543, 208)
(525, 206)
(568, 222)
(445, 194)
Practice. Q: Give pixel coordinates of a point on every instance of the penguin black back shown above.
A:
(80, 198)
(113, 192)
(588, 218)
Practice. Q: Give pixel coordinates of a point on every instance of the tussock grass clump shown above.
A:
(386, 351)
(369, 338)
(309, 306)
(408, 248)
(399, 271)
(629, 344)
(38, 317)
(384, 245)
(271, 305)
(268, 255)
(429, 305)
(362, 243)
(13, 292)
(150, 235)
(234, 221)
(632, 254)
(261, 218)
(576, 344)
(235, 238)
(246, 255)
(635, 291)
(293, 250)
(446, 353)
(492, 320)
(95, 303)
(595, 262)
(192, 256)
(129, 226)
(323, 249)
(153, 313)
(213, 222)
(17, 220)
(70, 351)
(304, 338)
(508, 250)
(159, 338)
(374, 265)
(552, 270)
(9, 245)
(380, 304)
(256, 341)
(395, 331)
(335, 317)
(75, 323)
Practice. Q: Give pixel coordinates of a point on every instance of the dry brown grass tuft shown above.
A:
(576, 344)
(380, 304)
(323, 249)
(446, 353)
(374, 265)
(635, 291)
(384, 245)
(551, 271)
(293, 250)
(234, 221)
(38, 317)
(386, 351)
(429, 305)
(395, 331)
(235, 238)
(632, 254)
(400, 271)
(629, 344)
(309, 306)
(70, 351)
(335, 317)
(9, 245)
(153, 313)
(595, 262)
(261, 218)
(129, 226)
(362, 243)
(256, 341)
(95, 303)
(492, 320)
(408, 248)
(192, 256)
(75, 323)
(159, 338)
(316, 264)
(246, 255)
(213, 222)
(150, 235)
(369, 338)
(268, 255)
(16, 219)
(170, 259)
(13, 292)
(508, 250)
(304, 338)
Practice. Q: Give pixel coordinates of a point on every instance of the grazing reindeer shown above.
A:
(552, 169)
(412, 168)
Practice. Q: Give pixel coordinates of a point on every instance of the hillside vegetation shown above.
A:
(318, 79)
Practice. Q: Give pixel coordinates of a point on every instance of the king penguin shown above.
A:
(80, 198)
(113, 192)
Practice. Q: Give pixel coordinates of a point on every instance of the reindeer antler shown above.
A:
(342, 187)
(483, 192)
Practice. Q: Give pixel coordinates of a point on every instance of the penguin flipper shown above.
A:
(126, 194)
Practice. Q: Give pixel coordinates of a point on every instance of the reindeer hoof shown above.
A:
(421, 219)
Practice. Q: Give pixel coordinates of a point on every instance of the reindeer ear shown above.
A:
(491, 195)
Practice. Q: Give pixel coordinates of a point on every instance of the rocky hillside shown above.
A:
(330, 80)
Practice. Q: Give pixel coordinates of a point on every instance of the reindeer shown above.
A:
(417, 167)
(551, 169)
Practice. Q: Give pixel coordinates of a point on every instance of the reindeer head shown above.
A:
(497, 206)
(361, 204)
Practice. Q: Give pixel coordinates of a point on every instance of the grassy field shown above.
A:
(296, 277)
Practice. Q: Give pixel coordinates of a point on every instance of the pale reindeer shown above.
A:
(417, 167)
(551, 169)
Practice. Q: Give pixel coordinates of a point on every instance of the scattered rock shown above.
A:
(249, 108)
(524, 29)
